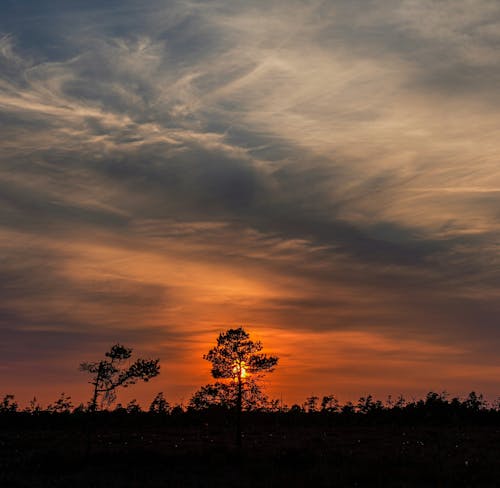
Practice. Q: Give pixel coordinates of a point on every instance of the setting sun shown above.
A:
(239, 370)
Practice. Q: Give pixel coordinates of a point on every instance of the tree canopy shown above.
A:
(109, 374)
(236, 356)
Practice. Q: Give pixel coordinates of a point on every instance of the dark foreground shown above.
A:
(153, 452)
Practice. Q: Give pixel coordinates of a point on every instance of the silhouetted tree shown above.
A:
(235, 357)
(400, 402)
(213, 395)
(8, 404)
(62, 405)
(347, 409)
(368, 404)
(79, 409)
(296, 410)
(109, 374)
(329, 404)
(159, 405)
(120, 409)
(177, 409)
(474, 402)
(33, 407)
(133, 407)
(311, 404)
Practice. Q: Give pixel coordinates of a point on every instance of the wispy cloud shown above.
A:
(306, 167)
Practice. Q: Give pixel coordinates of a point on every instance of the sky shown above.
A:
(324, 173)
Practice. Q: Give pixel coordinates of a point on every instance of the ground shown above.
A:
(140, 452)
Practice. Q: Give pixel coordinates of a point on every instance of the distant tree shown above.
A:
(80, 408)
(8, 404)
(276, 405)
(33, 407)
(62, 405)
(296, 409)
(432, 398)
(474, 402)
(311, 404)
(400, 402)
(177, 410)
(133, 407)
(159, 405)
(111, 373)
(329, 404)
(368, 404)
(235, 357)
(213, 395)
(120, 409)
(347, 409)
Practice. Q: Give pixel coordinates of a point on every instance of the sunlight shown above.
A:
(239, 370)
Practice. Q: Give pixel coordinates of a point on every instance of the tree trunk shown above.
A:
(93, 402)
(92, 410)
(238, 411)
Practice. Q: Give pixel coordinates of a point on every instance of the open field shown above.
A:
(143, 451)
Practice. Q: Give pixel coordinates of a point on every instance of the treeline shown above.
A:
(434, 405)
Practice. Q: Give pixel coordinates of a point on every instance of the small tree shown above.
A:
(8, 404)
(109, 374)
(62, 405)
(329, 404)
(235, 357)
(311, 404)
(474, 402)
(33, 407)
(368, 404)
(133, 407)
(159, 405)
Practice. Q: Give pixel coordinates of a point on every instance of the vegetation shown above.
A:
(433, 441)
(435, 407)
(109, 374)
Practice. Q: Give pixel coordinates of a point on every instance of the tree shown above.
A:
(235, 357)
(109, 374)
(133, 407)
(329, 404)
(8, 404)
(368, 404)
(213, 395)
(311, 404)
(474, 402)
(159, 405)
(33, 407)
(62, 405)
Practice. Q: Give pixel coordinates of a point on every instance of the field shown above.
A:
(152, 451)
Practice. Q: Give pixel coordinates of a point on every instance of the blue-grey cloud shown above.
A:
(341, 156)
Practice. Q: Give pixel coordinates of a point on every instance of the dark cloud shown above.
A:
(338, 153)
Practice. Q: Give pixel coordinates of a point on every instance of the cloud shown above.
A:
(307, 166)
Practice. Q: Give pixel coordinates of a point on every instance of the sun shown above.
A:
(240, 370)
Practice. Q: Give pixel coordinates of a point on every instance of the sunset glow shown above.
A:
(240, 371)
(325, 174)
